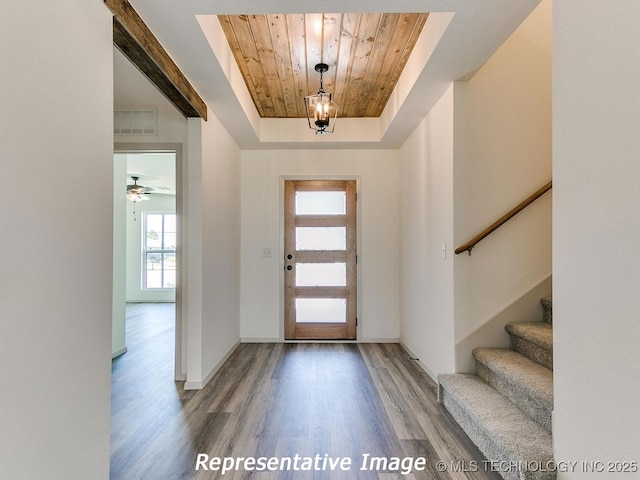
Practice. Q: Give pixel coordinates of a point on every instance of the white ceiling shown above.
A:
(459, 37)
(155, 170)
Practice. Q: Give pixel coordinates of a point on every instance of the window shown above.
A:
(159, 256)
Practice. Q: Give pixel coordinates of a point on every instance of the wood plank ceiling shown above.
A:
(365, 53)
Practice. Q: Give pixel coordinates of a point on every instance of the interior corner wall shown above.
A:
(502, 154)
(596, 227)
(426, 227)
(192, 252)
(263, 172)
(213, 245)
(56, 127)
(221, 244)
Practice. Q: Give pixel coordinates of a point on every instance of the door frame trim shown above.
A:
(281, 253)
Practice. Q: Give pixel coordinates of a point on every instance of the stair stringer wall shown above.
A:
(483, 148)
(491, 332)
(502, 154)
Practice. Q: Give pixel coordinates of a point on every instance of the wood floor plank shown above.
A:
(403, 419)
(341, 400)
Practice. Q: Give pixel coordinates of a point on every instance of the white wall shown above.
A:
(56, 169)
(502, 152)
(221, 248)
(492, 333)
(213, 261)
(596, 226)
(426, 225)
(378, 240)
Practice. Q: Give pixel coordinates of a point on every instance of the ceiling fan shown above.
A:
(137, 193)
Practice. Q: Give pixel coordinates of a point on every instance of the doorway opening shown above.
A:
(147, 238)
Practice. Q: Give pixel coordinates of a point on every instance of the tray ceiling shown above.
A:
(366, 54)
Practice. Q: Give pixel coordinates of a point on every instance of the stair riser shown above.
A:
(537, 409)
(532, 351)
(484, 443)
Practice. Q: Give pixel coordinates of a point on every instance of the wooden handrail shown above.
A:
(502, 220)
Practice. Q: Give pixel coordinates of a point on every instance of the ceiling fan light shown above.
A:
(135, 192)
(137, 197)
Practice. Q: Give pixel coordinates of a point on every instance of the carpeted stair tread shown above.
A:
(525, 383)
(534, 340)
(501, 431)
(547, 307)
(519, 370)
(540, 333)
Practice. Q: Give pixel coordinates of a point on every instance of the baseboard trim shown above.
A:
(200, 384)
(279, 340)
(260, 340)
(118, 352)
(420, 363)
(379, 340)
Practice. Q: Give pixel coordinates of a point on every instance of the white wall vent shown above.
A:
(135, 121)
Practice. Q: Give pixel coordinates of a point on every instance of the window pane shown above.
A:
(170, 223)
(321, 203)
(154, 222)
(169, 241)
(160, 245)
(154, 232)
(154, 278)
(169, 279)
(316, 310)
(153, 241)
(321, 274)
(154, 261)
(321, 238)
(169, 261)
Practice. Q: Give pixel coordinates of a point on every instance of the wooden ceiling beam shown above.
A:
(136, 41)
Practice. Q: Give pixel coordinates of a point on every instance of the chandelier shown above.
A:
(321, 109)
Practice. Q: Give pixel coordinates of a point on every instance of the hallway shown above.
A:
(276, 401)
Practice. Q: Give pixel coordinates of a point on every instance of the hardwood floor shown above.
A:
(335, 401)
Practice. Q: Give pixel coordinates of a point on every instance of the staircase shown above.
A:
(505, 408)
